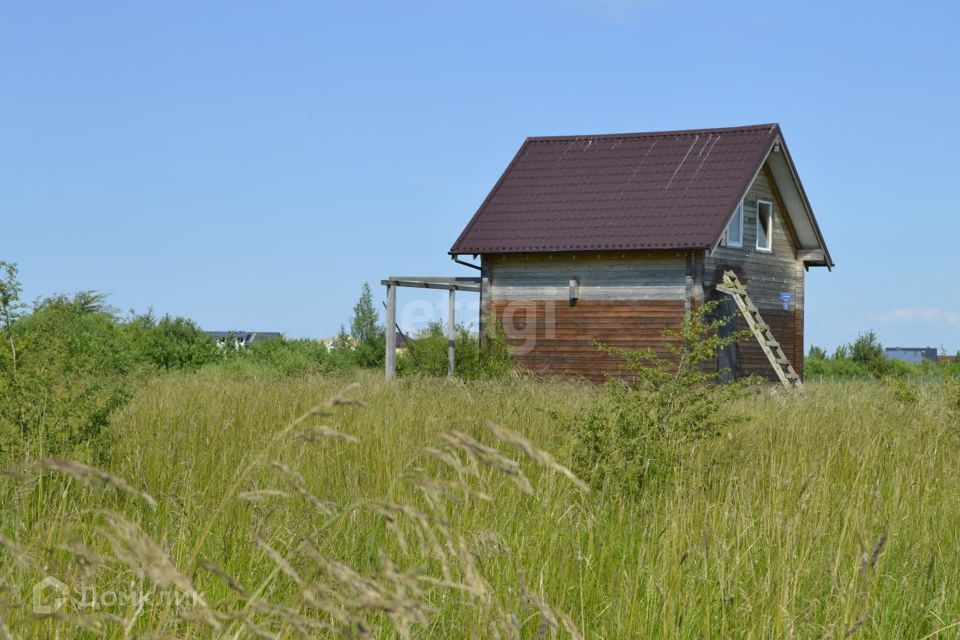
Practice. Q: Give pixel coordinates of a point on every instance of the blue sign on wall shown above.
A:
(785, 298)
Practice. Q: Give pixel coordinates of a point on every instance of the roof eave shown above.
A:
(494, 250)
(828, 260)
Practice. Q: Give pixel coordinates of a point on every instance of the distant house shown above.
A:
(345, 341)
(351, 343)
(614, 238)
(241, 339)
(913, 355)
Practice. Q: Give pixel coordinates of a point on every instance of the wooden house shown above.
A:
(613, 238)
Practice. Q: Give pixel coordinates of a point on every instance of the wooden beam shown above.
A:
(473, 288)
(439, 279)
(451, 332)
(815, 255)
(390, 362)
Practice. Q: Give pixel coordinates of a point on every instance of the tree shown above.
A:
(365, 324)
(866, 349)
(366, 329)
(817, 353)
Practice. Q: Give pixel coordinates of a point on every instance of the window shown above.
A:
(733, 236)
(764, 225)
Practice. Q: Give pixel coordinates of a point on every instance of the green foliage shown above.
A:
(171, 343)
(669, 400)
(816, 353)
(865, 358)
(866, 349)
(365, 328)
(902, 391)
(950, 389)
(289, 357)
(427, 353)
(68, 364)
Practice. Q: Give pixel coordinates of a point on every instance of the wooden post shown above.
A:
(390, 362)
(451, 332)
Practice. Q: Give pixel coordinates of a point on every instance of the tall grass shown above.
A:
(832, 515)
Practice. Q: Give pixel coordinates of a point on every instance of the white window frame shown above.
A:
(769, 248)
(726, 232)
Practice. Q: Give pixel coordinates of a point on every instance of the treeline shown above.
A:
(68, 361)
(865, 358)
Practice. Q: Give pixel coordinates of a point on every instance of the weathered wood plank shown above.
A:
(390, 359)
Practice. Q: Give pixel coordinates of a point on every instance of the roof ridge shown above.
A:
(657, 134)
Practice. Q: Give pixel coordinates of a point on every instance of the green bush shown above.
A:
(289, 357)
(427, 353)
(632, 434)
(865, 358)
(171, 343)
(65, 367)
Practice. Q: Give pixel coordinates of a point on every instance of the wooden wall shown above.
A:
(627, 299)
(550, 337)
(766, 276)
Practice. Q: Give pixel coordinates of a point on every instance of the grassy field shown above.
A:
(833, 515)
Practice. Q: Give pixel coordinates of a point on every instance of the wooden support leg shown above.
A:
(390, 362)
(451, 332)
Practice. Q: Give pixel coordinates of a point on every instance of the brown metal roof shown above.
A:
(659, 190)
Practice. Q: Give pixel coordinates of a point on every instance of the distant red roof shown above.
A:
(659, 190)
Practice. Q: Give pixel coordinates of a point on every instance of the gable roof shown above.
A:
(657, 190)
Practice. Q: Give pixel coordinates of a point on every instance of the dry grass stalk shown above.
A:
(316, 433)
(490, 457)
(91, 476)
(371, 595)
(261, 494)
(19, 555)
(552, 619)
(453, 461)
(5, 633)
(856, 626)
(535, 454)
(228, 579)
(281, 562)
(299, 485)
(336, 401)
(148, 560)
(426, 528)
(444, 488)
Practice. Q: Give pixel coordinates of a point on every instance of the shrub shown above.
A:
(171, 342)
(632, 434)
(427, 353)
(66, 366)
(289, 357)
(902, 391)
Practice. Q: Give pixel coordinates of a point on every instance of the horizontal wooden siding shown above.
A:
(550, 337)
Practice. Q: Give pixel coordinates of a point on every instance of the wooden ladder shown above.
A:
(761, 330)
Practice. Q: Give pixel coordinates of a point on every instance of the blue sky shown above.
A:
(251, 164)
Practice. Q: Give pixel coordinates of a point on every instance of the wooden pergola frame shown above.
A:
(452, 284)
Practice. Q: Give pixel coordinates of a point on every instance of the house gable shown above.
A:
(777, 177)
